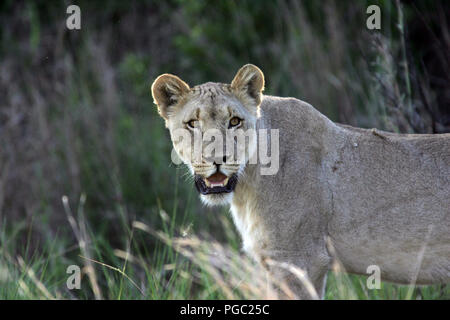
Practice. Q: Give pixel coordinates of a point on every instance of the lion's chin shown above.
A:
(216, 199)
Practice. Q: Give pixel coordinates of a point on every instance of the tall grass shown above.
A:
(170, 263)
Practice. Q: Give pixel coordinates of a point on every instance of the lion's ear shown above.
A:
(249, 80)
(167, 91)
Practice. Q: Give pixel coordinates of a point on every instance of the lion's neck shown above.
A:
(246, 204)
(245, 212)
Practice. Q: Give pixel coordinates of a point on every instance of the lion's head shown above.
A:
(206, 114)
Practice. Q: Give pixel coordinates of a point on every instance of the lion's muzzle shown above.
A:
(215, 185)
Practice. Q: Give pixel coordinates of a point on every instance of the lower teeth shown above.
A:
(213, 185)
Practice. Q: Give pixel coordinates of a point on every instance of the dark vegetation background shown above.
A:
(77, 118)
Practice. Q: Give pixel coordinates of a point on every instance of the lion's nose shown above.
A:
(216, 160)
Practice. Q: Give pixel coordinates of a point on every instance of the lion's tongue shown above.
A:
(217, 179)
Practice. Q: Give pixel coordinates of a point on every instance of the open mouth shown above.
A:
(216, 183)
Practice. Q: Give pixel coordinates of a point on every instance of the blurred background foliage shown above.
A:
(77, 117)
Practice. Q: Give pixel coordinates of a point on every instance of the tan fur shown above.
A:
(373, 197)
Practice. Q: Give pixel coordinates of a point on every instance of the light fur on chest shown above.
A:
(249, 225)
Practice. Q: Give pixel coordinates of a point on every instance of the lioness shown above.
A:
(364, 197)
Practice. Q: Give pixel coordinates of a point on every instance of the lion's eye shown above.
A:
(193, 123)
(235, 122)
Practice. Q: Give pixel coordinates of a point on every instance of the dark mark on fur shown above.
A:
(212, 96)
(376, 133)
(336, 165)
